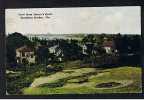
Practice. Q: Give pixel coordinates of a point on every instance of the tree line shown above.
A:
(71, 49)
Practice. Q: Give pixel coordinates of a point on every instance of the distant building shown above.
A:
(109, 46)
(25, 53)
(56, 51)
(84, 48)
(52, 49)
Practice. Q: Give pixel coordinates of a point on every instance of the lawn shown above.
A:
(123, 79)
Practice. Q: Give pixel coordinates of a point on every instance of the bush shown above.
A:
(55, 68)
(16, 82)
(59, 83)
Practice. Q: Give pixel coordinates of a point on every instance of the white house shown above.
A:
(84, 48)
(25, 54)
(56, 51)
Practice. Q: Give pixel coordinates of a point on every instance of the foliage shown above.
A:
(75, 67)
(14, 41)
(70, 49)
(127, 43)
(42, 55)
(23, 77)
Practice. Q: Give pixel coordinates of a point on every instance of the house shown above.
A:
(56, 51)
(85, 47)
(25, 54)
(52, 49)
(109, 46)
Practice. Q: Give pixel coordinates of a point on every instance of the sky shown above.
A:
(124, 20)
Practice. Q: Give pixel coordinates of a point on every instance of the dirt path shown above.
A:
(61, 75)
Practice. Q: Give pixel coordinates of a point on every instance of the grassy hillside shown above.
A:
(88, 80)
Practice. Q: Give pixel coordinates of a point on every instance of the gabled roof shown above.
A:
(53, 47)
(108, 44)
(25, 49)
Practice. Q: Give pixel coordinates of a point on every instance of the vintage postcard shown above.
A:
(77, 50)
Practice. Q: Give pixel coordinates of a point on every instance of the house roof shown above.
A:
(108, 44)
(53, 47)
(25, 49)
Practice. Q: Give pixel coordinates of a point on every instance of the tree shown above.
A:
(43, 55)
(135, 43)
(127, 43)
(70, 49)
(119, 42)
(14, 41)
(94, 48)
(75, 50)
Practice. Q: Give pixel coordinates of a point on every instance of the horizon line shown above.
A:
(73, 33)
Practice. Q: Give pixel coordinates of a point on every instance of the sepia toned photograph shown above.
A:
(77, 50)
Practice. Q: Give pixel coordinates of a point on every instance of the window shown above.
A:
(32, 56)
(23, 54)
